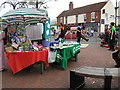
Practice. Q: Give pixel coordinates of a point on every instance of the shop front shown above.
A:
(93, 26)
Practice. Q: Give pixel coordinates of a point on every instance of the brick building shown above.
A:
(96, 15)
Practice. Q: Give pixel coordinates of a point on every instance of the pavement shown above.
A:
(56, 78)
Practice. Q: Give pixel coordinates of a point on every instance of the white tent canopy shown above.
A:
(24, 16)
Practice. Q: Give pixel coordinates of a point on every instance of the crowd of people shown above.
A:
(110, 39)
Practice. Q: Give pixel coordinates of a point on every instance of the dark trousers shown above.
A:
(60, 36)
(79, 38)
(116, 58)
(106, 38)
(112, 44)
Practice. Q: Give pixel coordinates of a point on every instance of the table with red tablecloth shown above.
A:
(20, 60)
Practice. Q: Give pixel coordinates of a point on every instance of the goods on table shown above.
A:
(64, 44)
(18, 42)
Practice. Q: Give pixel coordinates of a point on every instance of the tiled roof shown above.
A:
(84, 9)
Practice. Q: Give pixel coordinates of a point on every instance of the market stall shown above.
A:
(20, 50)
(23, 23)
(20, 60)
(66, 51)
(28, 19)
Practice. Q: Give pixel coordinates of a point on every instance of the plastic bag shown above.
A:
(51, 56)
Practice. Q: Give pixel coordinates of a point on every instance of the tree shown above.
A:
(25, 3)
(39, 3)
(16, 3)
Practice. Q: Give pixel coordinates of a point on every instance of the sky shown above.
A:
(55, 8)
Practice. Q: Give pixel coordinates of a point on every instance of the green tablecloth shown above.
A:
(64, 54)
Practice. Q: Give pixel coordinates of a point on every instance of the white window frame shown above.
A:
(85, 17)
(106, 16)
(93, 16)
(112, 16)
(64, 20)
(71, 19)
(61, 19)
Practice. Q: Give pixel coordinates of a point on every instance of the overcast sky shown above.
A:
(55, 8)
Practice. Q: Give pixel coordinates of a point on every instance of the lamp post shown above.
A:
(116, 7)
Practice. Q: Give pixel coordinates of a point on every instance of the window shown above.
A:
(102, 21)
(103, 11)
(112, 16)
(61, 19)
(106, 16)
(76, 18)
(93, 16)
(85, 18)
(64, 20)
(71, 19)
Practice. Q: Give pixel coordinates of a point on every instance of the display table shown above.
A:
(65, 53)
(20, 60)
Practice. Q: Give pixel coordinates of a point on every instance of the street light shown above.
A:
(116, 7)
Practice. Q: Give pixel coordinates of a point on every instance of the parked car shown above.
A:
(70, 34)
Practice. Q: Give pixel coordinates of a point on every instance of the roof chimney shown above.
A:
(71, 6)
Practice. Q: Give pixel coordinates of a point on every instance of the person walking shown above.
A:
(2, 53)
(80, 33)
(112, 37)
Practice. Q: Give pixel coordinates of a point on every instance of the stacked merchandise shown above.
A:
(18, 42)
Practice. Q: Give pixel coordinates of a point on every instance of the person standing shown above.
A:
(80, 33)
(112, 37)
(2, 53)
(106, 38)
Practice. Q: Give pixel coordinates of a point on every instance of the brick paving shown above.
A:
(55, 77)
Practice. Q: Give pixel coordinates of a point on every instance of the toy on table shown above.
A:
(26, 46)
(35, 46)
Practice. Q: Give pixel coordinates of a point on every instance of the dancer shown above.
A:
(63, 31)
(79, 33)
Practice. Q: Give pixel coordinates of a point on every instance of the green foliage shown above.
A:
(38, 2)
(23, 2)
(53, 25)
(119, 25)
(31, 3)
